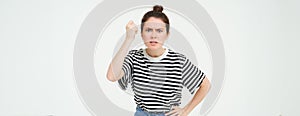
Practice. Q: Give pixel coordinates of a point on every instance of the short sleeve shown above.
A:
(127, 69)
(192, 76)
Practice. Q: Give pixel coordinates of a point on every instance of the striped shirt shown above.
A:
(157, 82)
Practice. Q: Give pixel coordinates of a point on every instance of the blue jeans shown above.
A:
(140, 112)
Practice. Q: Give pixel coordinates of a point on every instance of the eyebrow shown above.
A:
(152, 28)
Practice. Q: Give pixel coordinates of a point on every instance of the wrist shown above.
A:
(130, 37)
(184, 114)
(186, 111)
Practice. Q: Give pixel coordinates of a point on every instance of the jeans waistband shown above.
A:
(150, 113)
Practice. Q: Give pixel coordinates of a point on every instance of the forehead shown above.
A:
(153, 22)
(154, 25)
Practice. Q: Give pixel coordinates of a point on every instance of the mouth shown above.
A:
(153, 42)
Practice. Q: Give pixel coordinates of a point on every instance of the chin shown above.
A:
(153, 47)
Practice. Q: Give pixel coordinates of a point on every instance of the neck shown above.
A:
(155, 53)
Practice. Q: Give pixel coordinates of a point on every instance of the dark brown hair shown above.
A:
(157, 13)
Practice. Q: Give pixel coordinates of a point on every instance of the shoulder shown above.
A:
(135, 52)
(176, 54)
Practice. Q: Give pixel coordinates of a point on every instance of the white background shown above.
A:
(261, 39)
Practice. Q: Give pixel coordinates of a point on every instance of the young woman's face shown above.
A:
(154, 33)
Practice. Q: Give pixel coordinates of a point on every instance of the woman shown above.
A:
(156, 74)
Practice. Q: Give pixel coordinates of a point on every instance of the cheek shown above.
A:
(145, 36)
(163, 37)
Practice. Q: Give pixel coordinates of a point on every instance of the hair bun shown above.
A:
(158, 8)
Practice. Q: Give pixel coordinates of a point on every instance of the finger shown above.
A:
(130, 22)
(175, 113)
(171, 112)
(175, 107)
(132, 25)
(136, 31)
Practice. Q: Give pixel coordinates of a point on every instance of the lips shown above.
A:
(153, 43)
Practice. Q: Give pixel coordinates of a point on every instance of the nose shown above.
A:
(153, 35)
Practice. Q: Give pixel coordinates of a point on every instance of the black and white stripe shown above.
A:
(157, 83)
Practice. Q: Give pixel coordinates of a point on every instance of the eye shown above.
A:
(159, 30)
(148, 30)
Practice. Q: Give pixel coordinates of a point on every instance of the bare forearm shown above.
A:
(198, 97)
(115, 69)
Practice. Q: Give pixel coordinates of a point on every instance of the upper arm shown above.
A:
(205, 83)
(111, 76)
(192, 76)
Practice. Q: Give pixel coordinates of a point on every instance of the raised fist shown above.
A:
(131, 30)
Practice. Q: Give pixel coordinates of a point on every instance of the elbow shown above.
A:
(206, 84)
(110, 77)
